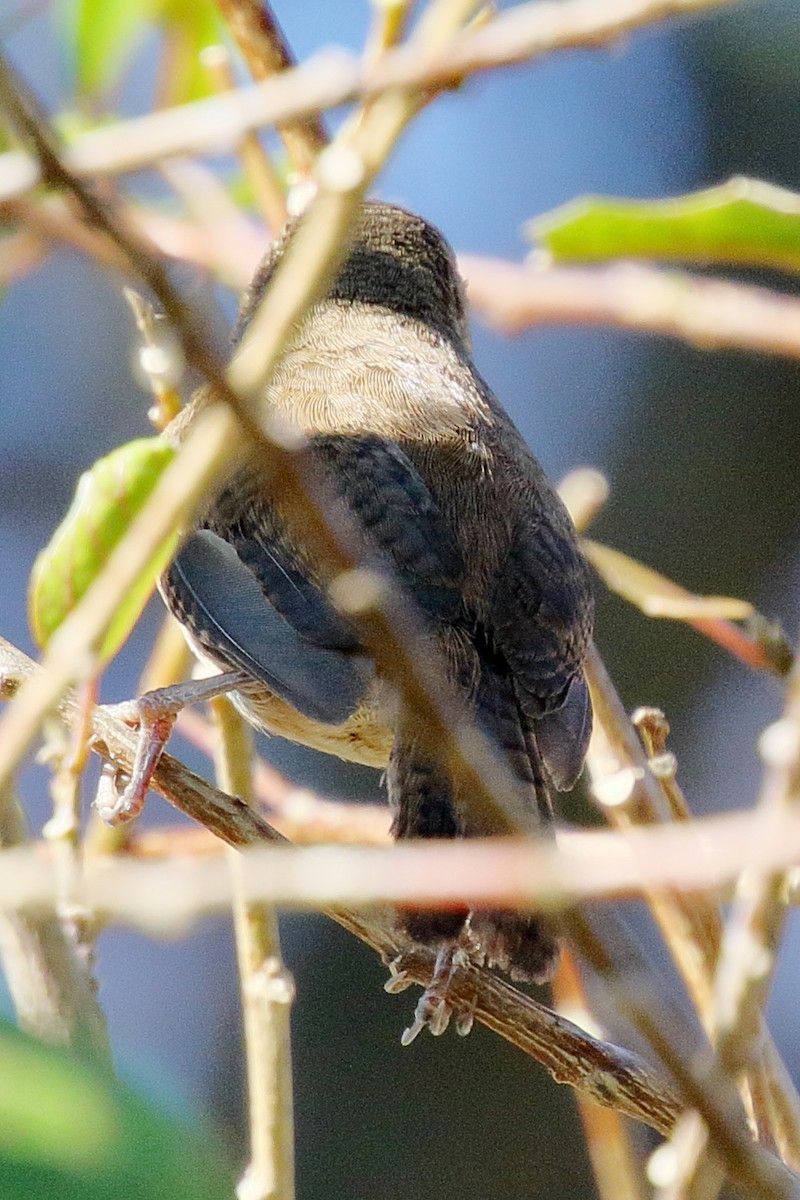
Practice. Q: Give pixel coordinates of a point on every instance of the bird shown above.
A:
(402, 430)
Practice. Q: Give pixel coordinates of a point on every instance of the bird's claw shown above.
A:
(465, 1019)
(155, 726)
(398, 979)
(155, 714)
(433, 1012)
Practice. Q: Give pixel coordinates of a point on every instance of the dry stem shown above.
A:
(267, 992)
(708, 314)
(524, 32)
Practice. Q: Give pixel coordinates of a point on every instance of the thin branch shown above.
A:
(527, 31)
(752, 931)
(631, 793)
(707, 313)
(267, 991)
(583, 865)
(608, 1141)
(257, 164)
(749, 946)
(706, 853)
(267, 53)
(52, 992)
(747, 1166)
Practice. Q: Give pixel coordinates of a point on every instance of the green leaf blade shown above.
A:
(743, 221)
(107, 499)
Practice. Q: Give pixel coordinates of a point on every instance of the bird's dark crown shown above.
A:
(397, 261)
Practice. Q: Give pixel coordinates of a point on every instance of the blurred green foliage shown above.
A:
(68, 1133)
(741, 221)
(101, 37)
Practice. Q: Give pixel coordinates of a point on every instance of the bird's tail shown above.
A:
(428, 805)
(524, 945)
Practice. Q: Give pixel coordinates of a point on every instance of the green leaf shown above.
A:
(191, 26)
(742, 221)
(103, 36)
(70, 1133)
(107, 499)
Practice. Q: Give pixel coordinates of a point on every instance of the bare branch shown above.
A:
(267, 53)
(608, 1140)
(707, 313)
(267, 992)
(51, 991)
(332, 78)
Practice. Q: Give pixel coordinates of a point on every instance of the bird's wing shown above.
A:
(563, 736)
(251, 601)
(392, 505)
(219, 597)
(541, 619)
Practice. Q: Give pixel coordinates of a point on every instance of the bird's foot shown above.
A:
(398, 979)
(434, 1009)
(154, 713)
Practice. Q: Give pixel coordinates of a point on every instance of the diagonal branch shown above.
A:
(267, 53)
(708, 313)
(522, 33)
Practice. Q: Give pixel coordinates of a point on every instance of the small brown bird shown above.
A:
(379, 378)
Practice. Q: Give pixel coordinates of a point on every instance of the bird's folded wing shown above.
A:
(563, 736)
(386, 494)
(221, 600)
(541, 615)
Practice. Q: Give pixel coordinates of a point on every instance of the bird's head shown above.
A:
(397, 261)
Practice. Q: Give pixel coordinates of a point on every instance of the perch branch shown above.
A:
(605, 1073)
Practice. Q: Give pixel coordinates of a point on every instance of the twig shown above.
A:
(584, 491)
(631, 793)
(749, 944)
(68, 751)
(267, 53)
(502, 874)
(526, 31)
(256, 162)
(752, 931)
(267, 992)
(607, 1137)
(52, 992)
(706, 853)
(709, 314)
(747, 1166)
